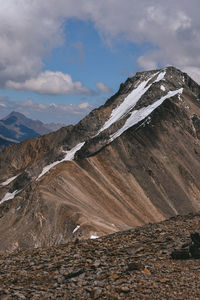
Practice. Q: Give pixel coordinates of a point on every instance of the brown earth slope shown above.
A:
(149, 173)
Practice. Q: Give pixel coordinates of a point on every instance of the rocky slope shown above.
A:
(132, 161)
(133, 264)
(16, 127)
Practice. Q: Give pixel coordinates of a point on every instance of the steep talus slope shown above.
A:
(132, 161)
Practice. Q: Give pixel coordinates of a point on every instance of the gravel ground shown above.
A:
(133, 264)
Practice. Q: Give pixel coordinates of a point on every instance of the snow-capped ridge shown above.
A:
(131, 100)
(138, 115)
(69, 156)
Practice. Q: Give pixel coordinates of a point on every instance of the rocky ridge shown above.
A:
(132, 161)
(133, 264)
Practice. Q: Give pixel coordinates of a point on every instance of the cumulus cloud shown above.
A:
(29, 30)
(102, 88)
(194, 72)
(171, 27)
(84, 105)
(52, 83)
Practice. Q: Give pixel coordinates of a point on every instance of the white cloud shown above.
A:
(84, 105)
(52, 83)
(29, 30)
(102, 88)
(194, 72)
(147, 62)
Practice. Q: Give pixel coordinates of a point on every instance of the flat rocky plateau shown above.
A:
(133, 264)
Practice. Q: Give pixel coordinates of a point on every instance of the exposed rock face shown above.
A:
(133, 161)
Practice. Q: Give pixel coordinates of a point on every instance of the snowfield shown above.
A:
(9, 196)
(138, 115)
(68, 157)
(131, 100)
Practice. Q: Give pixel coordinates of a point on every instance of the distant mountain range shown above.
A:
(16, 128)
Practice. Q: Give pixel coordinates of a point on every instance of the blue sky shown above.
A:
(88, 58)
(60, 59)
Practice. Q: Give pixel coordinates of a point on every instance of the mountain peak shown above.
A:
(132, 161)
(17, 114)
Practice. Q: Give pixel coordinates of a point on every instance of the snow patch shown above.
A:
(71, 153)
(163, 88)
(92, 237)
(146, 122)
(138, 115)
(179, 97)
(69, 156)
(47, 168)
(161, 76)
(77, 227)
(9, 196)
(9, 180)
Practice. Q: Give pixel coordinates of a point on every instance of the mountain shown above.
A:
(16, 127)
(132, 161)
(133, 264)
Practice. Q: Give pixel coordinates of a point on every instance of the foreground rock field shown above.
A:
(134, 264)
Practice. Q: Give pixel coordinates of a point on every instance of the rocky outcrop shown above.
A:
(188, 250)
(128, 163)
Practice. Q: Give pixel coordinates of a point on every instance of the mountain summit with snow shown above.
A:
(132, 161)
